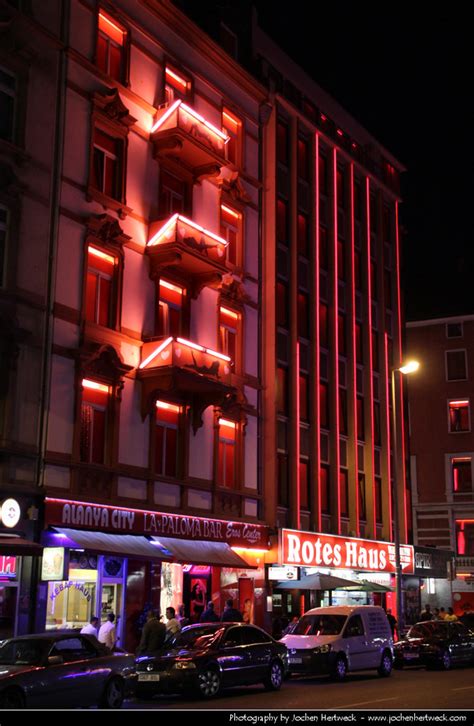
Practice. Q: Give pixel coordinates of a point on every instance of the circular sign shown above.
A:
(10, 513)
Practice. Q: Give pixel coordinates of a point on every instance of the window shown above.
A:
(8, 91)
(226, 465)
(456, 365)
(173, 195)
(281, 305)
(323, 325)
(282, 390)
(377, 424)
(354, 627)
(324, 487)
(167, 453)
(111, 48)
(100, 287)
(323, 174)
(454, 330)
(303, 159)
(344, 491)
(360, 418)
(228, 332)
(359, 346)
(230, 230)
(465, 538)
(459, 419)
(340, 188)
(170, 309)
(341, 334)
(303, 316)
(323, 248)
(282, 221)
(228, 40)
(375, 352)
(303, 234)
(107, 164)
(323, 405)
(462, 474)
(304, 398)
(378, 498)
(177, 86)
(282, 152)
(93, 438)
(282, 463)
(73, 649)
(232, 126)
(343, 425)
(387, 289)
(361, 493)
(3, 242)
(304, 484)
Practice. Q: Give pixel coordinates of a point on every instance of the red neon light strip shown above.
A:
(403, 526)
(157, 350)
(179, 218)
(336, 346)
(354, 353)
(298, 476)
(371, 384)
(387, 407)
(318, 518)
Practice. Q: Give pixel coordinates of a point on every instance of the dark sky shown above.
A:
(408, 81)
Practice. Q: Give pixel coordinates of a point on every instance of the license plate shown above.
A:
(410, 656)
(148, 676)
(295, 660)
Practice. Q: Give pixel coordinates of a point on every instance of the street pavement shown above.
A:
(413, 688)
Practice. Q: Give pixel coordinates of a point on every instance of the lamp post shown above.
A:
(410, 367)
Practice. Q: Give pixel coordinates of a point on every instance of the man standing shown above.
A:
(209, 615)
(107, 633)
(172, 625)
(91, 627)
(153, 634)
(426, 614)
(231, 614)
(392, 622)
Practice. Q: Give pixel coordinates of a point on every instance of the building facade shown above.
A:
(442, 453)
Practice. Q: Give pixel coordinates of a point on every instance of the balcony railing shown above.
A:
(180, 132)
(185, 354)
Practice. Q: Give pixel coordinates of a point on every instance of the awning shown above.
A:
(119, 544)
(316, 581)
(202, 552)
(19, 546)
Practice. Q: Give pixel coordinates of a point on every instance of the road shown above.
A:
(413, 688)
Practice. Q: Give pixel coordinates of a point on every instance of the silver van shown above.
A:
(340, 639)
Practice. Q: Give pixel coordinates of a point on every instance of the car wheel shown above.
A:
(274, 678)
(385, 667)
(445, 660)
(113, 694)
(209, 683)
(12, 698)
(339, 670)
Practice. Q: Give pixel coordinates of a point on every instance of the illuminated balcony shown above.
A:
(180, 133)
(194, 251)
(196, 375)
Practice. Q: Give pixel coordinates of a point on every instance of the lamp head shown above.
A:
(410, 367)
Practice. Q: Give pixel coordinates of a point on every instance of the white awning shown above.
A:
(117, 544)
(201, 552)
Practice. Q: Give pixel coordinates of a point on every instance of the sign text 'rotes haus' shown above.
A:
(87, 515)
(312, 549)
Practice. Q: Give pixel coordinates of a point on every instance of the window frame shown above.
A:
(237, 444)
(446, 355)
(108, 423)
(239, 135)
(174, 93)
(454, 400)
(112, 17)
(239, 336)
(239, 229)
(457, 459)
(113, 303)
(181, 438)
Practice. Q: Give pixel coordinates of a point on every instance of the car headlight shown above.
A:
(322, 649)
(184, 664)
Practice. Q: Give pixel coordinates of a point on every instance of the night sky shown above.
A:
(407, 80)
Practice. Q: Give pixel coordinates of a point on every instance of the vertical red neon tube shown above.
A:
(298, 416)
(371, 381)
(403, 528)
(389, 438)
(317, 458)
(354, 350)
(336, 346)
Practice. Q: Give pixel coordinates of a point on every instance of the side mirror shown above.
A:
(55, 660)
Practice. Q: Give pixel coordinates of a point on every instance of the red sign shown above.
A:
(7, 565)
(106, 518)
(312, 549)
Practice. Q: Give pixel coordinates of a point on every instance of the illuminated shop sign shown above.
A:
(283, 573)
(312, 549)
(87, 515)
(52, 567)
(10, 513)
(7, 566)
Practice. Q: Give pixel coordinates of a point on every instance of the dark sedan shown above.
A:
(64, 670)
(202, 659)
(435, 644)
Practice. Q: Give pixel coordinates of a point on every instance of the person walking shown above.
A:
(392, 622)
(425, 614)
(231, 614)
(153, 634)
(91, 627)
(107, 633)
(172, 624)
(209, 615)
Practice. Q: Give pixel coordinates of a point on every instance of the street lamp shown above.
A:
(410, 367)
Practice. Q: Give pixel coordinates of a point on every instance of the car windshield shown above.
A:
(319, 625)
(21, 652)
(196, 637)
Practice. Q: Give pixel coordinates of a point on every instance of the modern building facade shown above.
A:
(442, 452)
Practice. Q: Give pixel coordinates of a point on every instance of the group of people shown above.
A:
(106, 634)
(437, 614)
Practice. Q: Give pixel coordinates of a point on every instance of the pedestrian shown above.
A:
(442, 613)
(153, 634)
(451, 617)
(91, 627)
(181, 617)
(209, 615)
(436, 614)
(172, 624)
(425, 614)
(392, 622)
(231, 614)
(107, 633)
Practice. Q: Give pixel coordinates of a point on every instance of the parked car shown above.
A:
(435, 643)
(63, 670)
(202, 659)
(336, 640)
